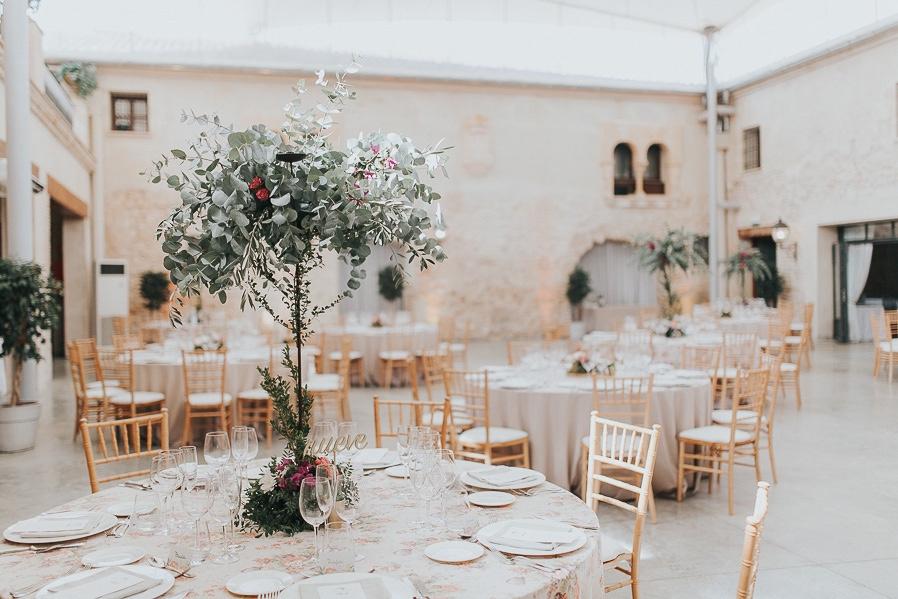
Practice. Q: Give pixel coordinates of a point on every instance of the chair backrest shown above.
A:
(891, 320)
(771, 360)
(433, 364)
(390, 414)
(91, 370)
(120, 325)
(751, 545)
(749, 395)
(634, 342)
(740, 350)
(125, 440)
(623, 398)
(118, 365)
(468, 390)
(626, 448)
(701, 357)
(517, 349)
(127, 342)
(204, 371)
(75, 368)
(879, 327)
(808, 316)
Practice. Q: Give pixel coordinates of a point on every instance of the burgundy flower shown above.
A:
(651, 246)
(262, 194)
(256, 183)
(390, 163)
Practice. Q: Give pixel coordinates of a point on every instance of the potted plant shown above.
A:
(676, 250)
(577, 289)
(29, 308)
(154, 290)
(747, 261)
(391, 284)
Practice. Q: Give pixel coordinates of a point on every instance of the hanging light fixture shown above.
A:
(780, 231)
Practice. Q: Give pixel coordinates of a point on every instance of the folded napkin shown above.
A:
(502, 475)
(371, 455)
(109, 583)
(57, 525)
(369, 588)
(536, 539)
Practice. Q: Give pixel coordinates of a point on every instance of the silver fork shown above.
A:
(270, 595)
(25, 591)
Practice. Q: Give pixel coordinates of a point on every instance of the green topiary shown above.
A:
(154, 289)
(391, 283)
(577, 289)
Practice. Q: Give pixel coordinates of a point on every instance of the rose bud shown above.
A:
(262, 194)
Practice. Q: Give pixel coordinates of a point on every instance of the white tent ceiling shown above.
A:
(627, 43)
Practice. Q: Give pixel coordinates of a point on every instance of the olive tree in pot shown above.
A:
(577, 289)
(29, 308)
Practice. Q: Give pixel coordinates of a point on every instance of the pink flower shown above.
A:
(391, 163)
(375, 148)
(368, 174)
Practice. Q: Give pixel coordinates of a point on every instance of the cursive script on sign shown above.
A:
(326, 445)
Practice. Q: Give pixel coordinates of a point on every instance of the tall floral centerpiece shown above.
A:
(747, 261)
(260, 208)
(676, 250)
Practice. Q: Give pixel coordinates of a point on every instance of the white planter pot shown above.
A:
(578, 329)
(18, 426)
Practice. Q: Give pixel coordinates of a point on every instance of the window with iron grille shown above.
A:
(129, 112)
(751, 148)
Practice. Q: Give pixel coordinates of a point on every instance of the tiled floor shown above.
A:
(832, 532)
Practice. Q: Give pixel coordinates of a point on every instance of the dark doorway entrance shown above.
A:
(56, 269)
(771, 288)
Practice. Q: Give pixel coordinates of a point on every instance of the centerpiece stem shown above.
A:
(297, 324)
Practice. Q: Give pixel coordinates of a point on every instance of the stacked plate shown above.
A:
(502, 478)
(530, 537)
(58, 527)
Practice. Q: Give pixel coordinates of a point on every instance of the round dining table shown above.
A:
(554, 408)
(371, 341)
(387, 541)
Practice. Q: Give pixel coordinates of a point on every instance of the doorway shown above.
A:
(771, 288)
(57, 335)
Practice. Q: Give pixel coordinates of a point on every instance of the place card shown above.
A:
(370, 588)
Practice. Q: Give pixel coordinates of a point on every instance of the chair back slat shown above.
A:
(701, 357)
(751, 545)
(390, 414)
(627, 399)
(204, 371)
(468, 390)
(740, 350)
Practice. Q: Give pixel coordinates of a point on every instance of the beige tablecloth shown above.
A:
(370, 341)
(557, 418)
(390, 544)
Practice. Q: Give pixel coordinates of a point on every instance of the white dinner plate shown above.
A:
(166, 581)
(538, 479)
(116, 555)
(106, 522)
(255, 472)
(122, 509)
(396, 588)
(578, 537)
(491, 498)
(256, 582)
(399, 471)
(453, 552)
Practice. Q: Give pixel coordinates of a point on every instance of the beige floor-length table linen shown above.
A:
(371, 341)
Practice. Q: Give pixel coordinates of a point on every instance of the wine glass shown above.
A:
(217, 449)
(165, 477)
(346, 502)
(226, 494)
(196, 501)
(321, 433)
(327, 494)
(244, 448)
(446, 464)
(189, 463)
(347, 431)
(310, 509)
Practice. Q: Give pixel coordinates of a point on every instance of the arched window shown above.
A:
(624, 183)
(652, 179)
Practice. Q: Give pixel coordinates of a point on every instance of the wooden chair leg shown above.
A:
(731, 483)
(680, 465)
(797, 391)
(527, 452)
(772, 457)
(185, 433)
(652, 513)
(876, 360)
(758, 475)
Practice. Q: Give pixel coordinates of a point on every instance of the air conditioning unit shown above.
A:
(112, 295)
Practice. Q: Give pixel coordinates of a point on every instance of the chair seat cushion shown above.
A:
(788, 367)
(889, 346)
(612, 549)
(713, 434)
(337, 356)
(725, 373)
(792, 340)
(498, 434)
(99, 384)
(253, 394)
(726, 416)
(97, 392)
(208, 399)
(324, 382)
(797, 326)
(140, 398)
(396, 354)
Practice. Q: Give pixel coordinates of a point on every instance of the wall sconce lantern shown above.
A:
(780, 233)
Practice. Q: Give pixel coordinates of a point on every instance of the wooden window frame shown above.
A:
(756, 162)
(130, 97)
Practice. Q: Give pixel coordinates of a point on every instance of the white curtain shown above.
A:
(614, 273)
(366, 301)
(858, 267)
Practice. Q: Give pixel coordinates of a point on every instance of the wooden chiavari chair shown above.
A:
(88, 406)
(557, 332)
(205, 398)
(121, 325)
(331, 391)
(885, 348)
(798, 340)
(124, 342)
(433, 364)
(634, 342)
(718, 446)
(390, 414)
(254, 406)
(120, 441)
(619, 447)
(790, 371)
(740, 352)
(517, 349)
(751, 545)
(469, 393)
(333, 347)
(891, 319)
(701, 357)
(395, 359)
(624, 399)
(128, 401)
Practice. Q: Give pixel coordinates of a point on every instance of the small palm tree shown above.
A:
(676, 250)
(746, 261)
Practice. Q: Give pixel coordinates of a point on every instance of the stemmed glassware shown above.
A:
(226, 498)
(347, 431)
(244, 448)
(165, 477)
(404, 439)
(217, 449)
(427, 478)
(189, 463)
(310, 507)
(196, 502)
(346, 502)
(322, 431)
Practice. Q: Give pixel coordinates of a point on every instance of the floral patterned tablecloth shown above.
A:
(390, 544)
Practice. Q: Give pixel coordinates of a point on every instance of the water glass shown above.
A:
(226, 496)
(244, 444)
(310, 509)
(195, 503)
(339, 549)
(217, 449)
(322, 432)
(165, 477)
(189, 463)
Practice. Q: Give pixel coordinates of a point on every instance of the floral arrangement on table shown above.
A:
(747, 261)
(208, 342)
(582, 362)
(377, 322)
(260, 209)
(675, 250)
(669, 328)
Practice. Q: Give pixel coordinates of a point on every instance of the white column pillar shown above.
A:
(711, 124)
(19, 201)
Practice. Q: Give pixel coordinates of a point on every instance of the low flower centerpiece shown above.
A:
(670, 328)
(582, 363)
(259, 210)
